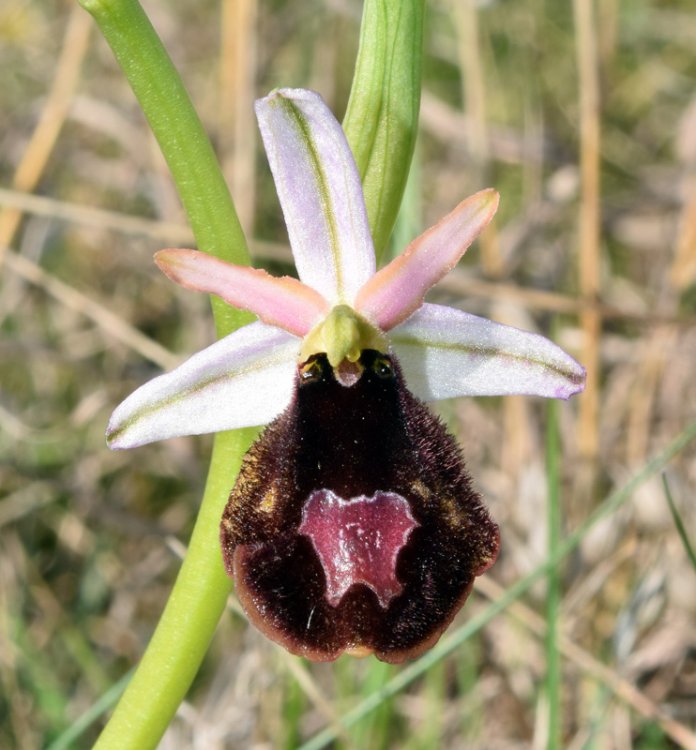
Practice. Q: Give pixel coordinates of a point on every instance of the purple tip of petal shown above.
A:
(576, 383)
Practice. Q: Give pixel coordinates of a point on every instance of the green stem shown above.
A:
(381, 121)
(180, 134)
(200, 592)
(188, 622)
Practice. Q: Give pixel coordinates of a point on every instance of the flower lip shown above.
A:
(320, 588)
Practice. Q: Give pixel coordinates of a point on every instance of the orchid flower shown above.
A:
(353, 525)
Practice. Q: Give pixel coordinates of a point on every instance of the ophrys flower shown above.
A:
(353, 525)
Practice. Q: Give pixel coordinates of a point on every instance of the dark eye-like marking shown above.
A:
(382, 367)
(313, 370)
(379, 364)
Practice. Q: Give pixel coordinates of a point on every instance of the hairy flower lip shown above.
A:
(357, 650)
(279, 575)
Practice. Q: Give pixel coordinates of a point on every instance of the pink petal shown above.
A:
(399, 288)
(283, 302)
(245, 379)
(320, 192)
(446, 353)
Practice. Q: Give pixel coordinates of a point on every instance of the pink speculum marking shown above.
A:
(358, 540)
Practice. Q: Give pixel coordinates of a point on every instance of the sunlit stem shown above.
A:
(198, 598)
(188, 622)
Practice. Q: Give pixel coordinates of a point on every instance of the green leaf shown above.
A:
(381, 121)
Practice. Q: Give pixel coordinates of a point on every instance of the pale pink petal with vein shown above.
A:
(284, 302)
(320, 192)
(446, 353)
(245, 379)
(398, 289)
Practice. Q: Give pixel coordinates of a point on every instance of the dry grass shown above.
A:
(595, 241)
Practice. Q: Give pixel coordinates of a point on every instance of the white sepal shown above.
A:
(245, 379)
(320, 192)
(446, 353)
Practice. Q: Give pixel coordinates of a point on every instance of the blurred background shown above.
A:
(584, 118)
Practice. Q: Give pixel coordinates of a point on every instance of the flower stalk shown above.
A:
(200, 592)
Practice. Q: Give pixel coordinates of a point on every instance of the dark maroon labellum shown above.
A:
(353, 525)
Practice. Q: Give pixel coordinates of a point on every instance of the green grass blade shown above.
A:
(553, 580)
(681, 529)
(80, 725)
(454, 639)
(293, 708)
(377, 729)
